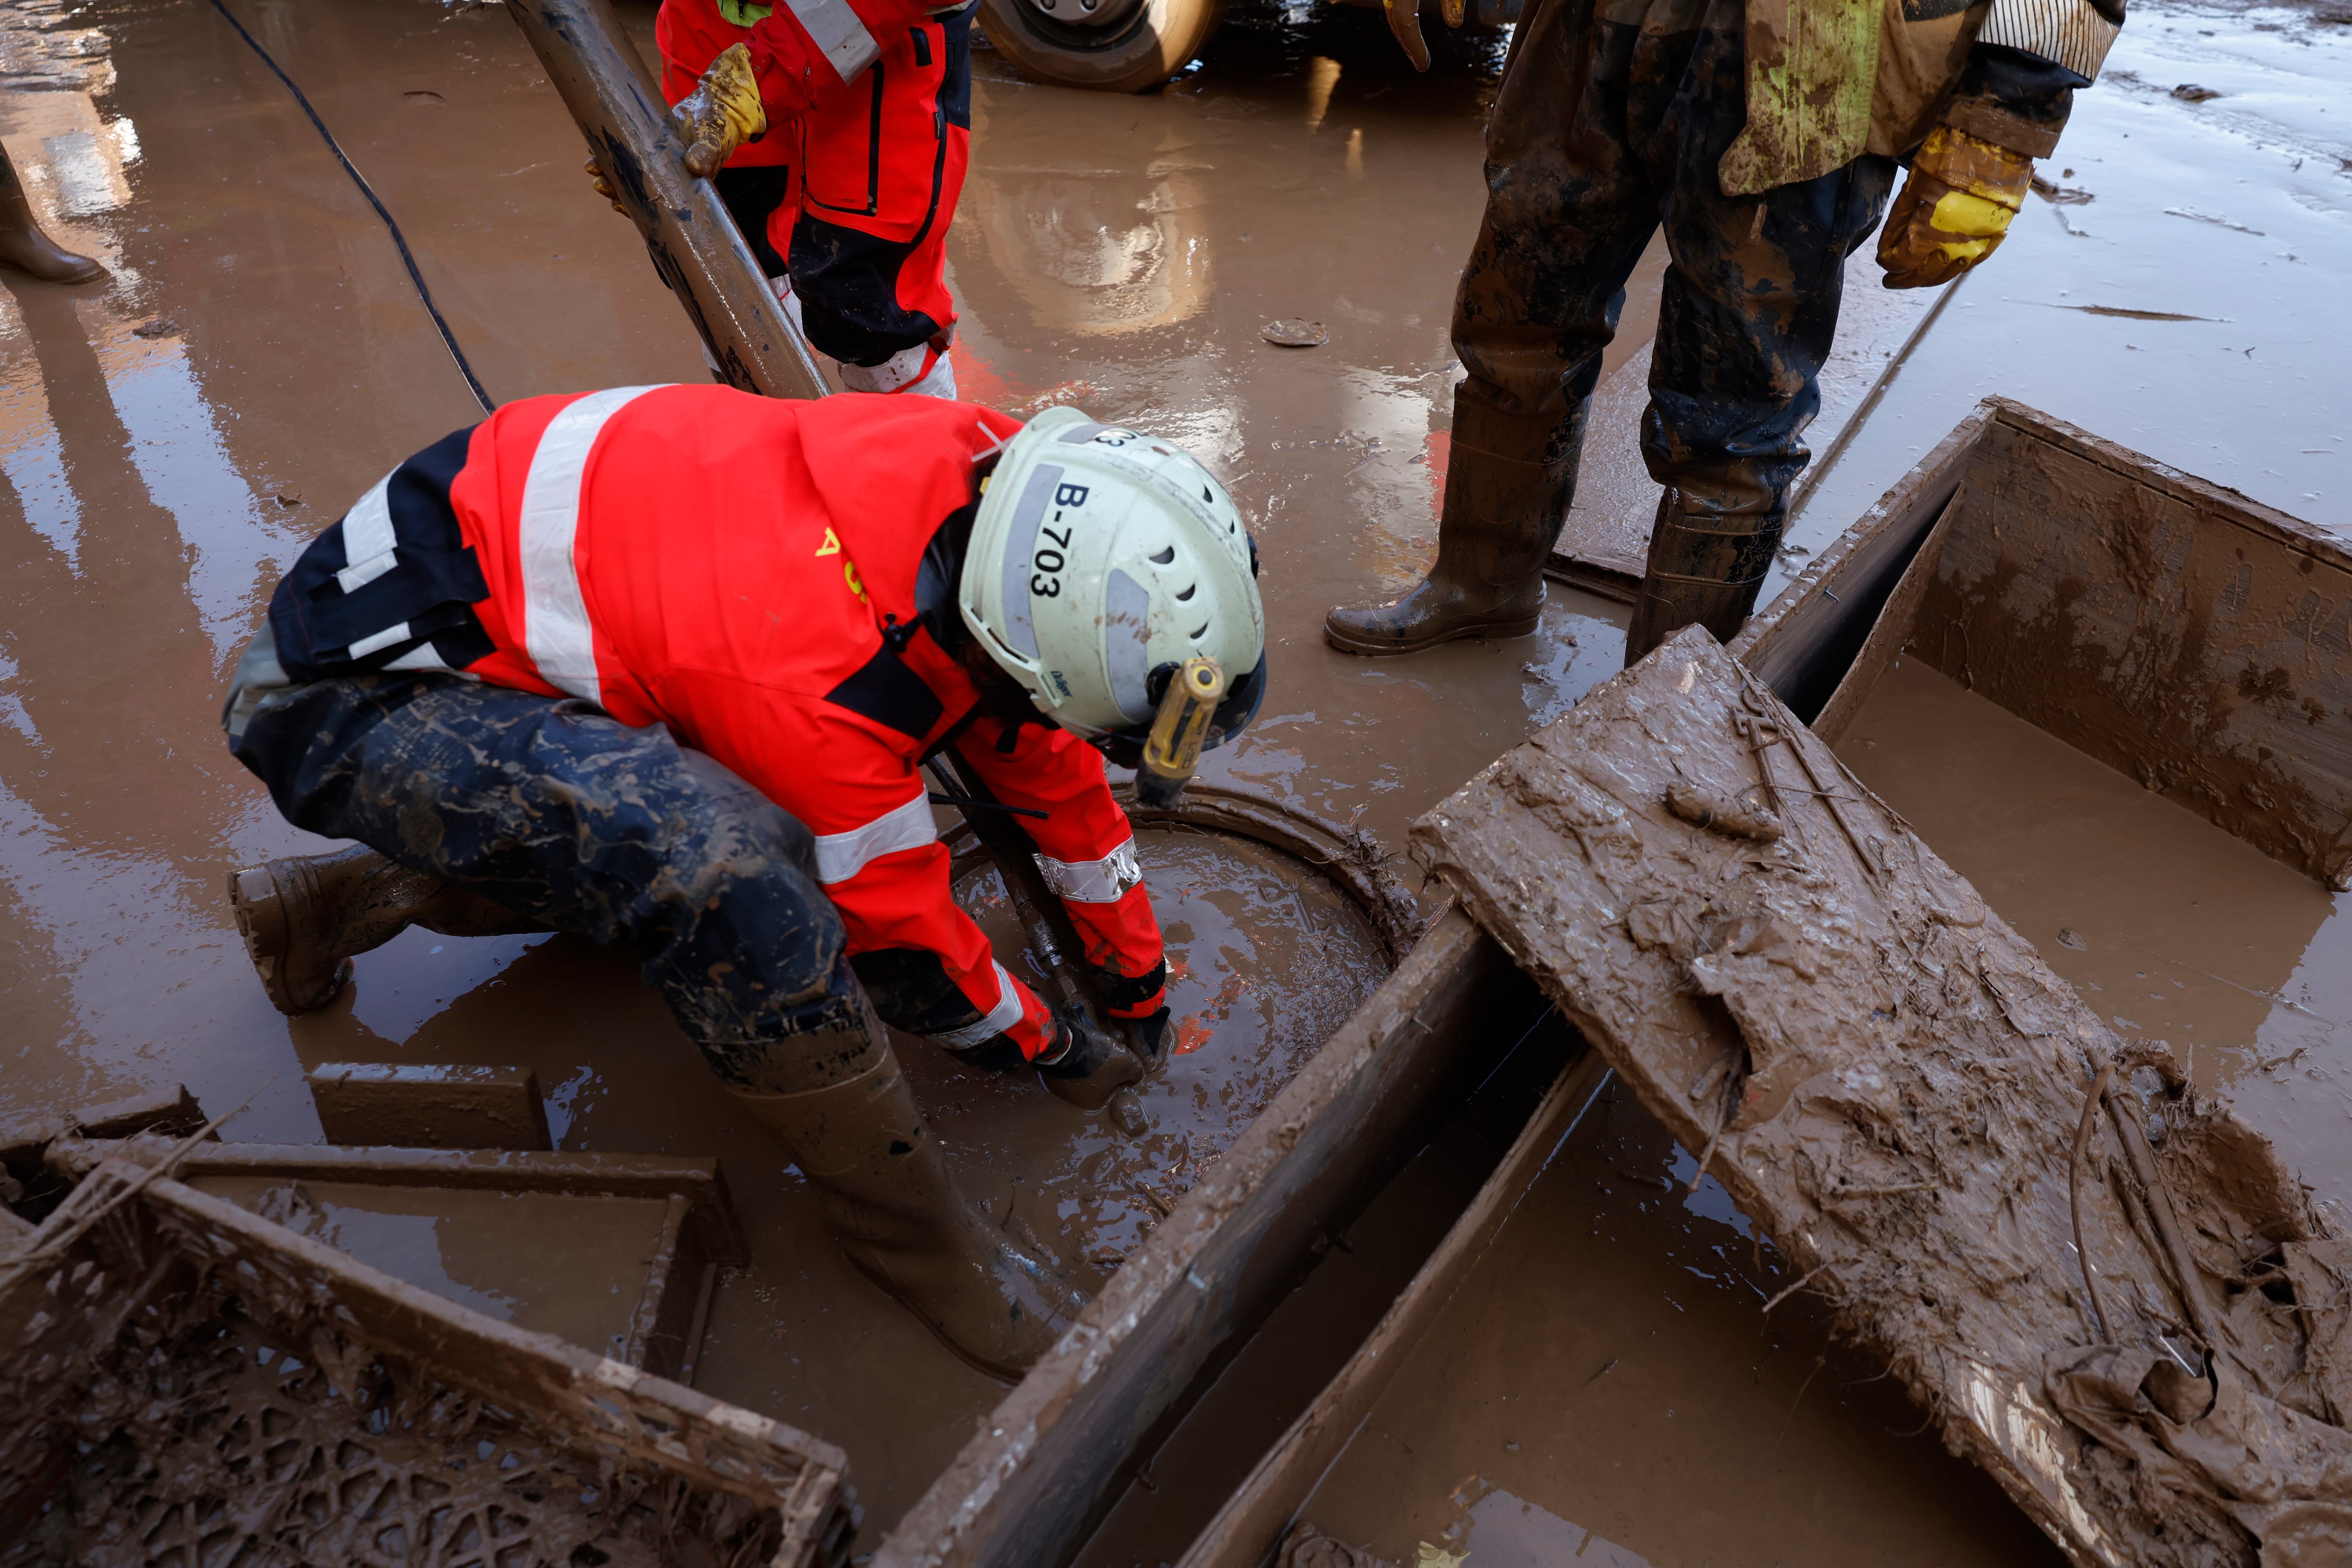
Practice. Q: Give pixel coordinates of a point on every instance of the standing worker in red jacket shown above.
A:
(837, 132)
(660, 665)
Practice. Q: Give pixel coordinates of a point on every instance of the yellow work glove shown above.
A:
(1953, 209)
(721, 113)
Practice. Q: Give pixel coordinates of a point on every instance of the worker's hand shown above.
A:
(721, 113)
(1953, 209)
(1083, 1065)
(598, 178)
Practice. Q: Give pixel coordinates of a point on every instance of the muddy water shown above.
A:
(1602, 1388)
(568, 1265)
(1266, 961)
(2167, 926)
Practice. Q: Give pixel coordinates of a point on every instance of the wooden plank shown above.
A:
(1250, 1526)
(1031, 1485)
(1889, 632)
(576, 1175)
(429, 1106)
(2175, 630)
(1888, 1080)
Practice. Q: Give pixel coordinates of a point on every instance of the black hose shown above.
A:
(464, 368)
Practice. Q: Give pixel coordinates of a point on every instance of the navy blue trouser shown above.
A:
(1609, 122)
(559, 812)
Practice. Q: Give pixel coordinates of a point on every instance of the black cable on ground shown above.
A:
(449, 338)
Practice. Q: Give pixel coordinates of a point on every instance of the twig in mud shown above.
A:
(54, 1247)
(1886, 1190)
(1608, 1368)
(2075, 1196)
(1158, 1204)
(1820, 1362)
(1804, 1280)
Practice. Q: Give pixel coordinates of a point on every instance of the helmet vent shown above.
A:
(1208, 495)
(1165, 557)
(1201, 631)
(1188, 592)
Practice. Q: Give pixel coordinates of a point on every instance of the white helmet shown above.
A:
(1101, 559)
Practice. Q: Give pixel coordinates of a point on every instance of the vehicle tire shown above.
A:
(1150, 41)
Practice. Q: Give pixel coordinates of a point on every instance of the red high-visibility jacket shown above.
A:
(742, 569)
(804, 50)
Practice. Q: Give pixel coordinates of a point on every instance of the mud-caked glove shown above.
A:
(1953, 209)
(1083, 1065)
(721, 113)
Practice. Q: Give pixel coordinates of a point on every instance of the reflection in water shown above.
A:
(1096, 253)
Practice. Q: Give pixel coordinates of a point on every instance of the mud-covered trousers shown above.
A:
(1609, 122)
(559, 812)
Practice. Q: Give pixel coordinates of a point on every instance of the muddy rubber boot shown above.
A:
(304, 916)
(1708, 561)
(1507, 488)
(901, 1220)
(24, 247)
(1085, 1068)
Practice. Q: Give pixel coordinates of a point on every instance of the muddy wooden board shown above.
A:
(1889, 1081)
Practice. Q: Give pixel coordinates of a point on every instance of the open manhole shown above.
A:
(1278, 926)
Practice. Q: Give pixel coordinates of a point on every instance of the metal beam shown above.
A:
(695, 245)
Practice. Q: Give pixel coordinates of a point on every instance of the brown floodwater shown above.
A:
(2166, 926)
(1602, 1387)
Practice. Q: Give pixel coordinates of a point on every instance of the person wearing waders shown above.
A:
(1764, 136)
(660, 665)
(837, 132)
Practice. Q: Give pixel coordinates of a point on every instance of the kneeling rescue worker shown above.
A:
(660, 665)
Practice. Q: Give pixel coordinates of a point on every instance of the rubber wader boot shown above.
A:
(1086, 1066)
(1507, 487)
(304, 916)
(26, 247)
(903, 1223)
(1707, 562)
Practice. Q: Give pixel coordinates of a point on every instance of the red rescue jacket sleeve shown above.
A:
(1086, 849)
(878, 855)
(804, 50)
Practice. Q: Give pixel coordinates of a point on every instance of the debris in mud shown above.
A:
(1294, 335)
(2189, 92)
(2132, 1321)
(2069, 937)
(161, 327)
(2064, 196)
(1308, 1547)
(190, 1384)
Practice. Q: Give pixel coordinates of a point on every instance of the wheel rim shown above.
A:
(1080, 24)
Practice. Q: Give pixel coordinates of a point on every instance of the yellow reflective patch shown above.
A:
(1957, 212)
(832, 545)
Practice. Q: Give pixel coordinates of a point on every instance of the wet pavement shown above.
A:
(170, 438)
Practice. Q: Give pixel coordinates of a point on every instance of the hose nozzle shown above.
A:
(1178, 732)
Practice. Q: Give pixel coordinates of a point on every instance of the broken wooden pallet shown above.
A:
(1891, 1083)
